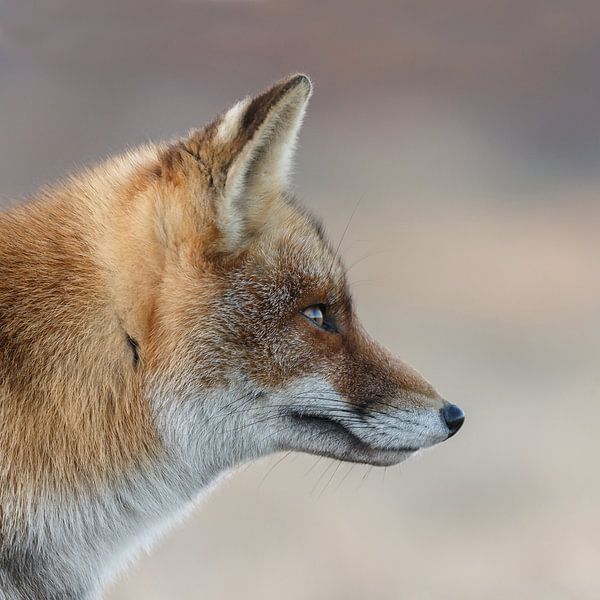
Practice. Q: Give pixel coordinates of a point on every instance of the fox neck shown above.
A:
(89, 498)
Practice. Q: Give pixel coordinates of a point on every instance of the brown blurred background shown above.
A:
(469, 133)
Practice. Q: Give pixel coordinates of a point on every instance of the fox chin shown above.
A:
(164, 317)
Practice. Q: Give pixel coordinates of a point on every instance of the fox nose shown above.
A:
(454, 418)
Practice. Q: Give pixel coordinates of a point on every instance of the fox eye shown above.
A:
(317, 313)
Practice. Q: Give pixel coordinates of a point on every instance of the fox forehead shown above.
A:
(297, 250)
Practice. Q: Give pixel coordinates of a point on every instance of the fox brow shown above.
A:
(312, 219)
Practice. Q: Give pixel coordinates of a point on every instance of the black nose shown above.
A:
(454, 417)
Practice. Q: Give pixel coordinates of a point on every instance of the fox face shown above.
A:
(254, 341)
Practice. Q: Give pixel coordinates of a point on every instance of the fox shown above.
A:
(165, 317)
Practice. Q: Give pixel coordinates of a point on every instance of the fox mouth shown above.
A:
(342, 443)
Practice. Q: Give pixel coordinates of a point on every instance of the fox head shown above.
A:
(249, 340)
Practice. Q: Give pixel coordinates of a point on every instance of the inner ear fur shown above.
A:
(248, 151)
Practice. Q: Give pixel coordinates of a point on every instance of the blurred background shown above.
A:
(468, 132)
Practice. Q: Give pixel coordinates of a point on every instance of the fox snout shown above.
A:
(362, 406)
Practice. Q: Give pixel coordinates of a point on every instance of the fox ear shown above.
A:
(251, 151)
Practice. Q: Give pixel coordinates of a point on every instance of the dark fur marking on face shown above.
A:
(135, 349)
